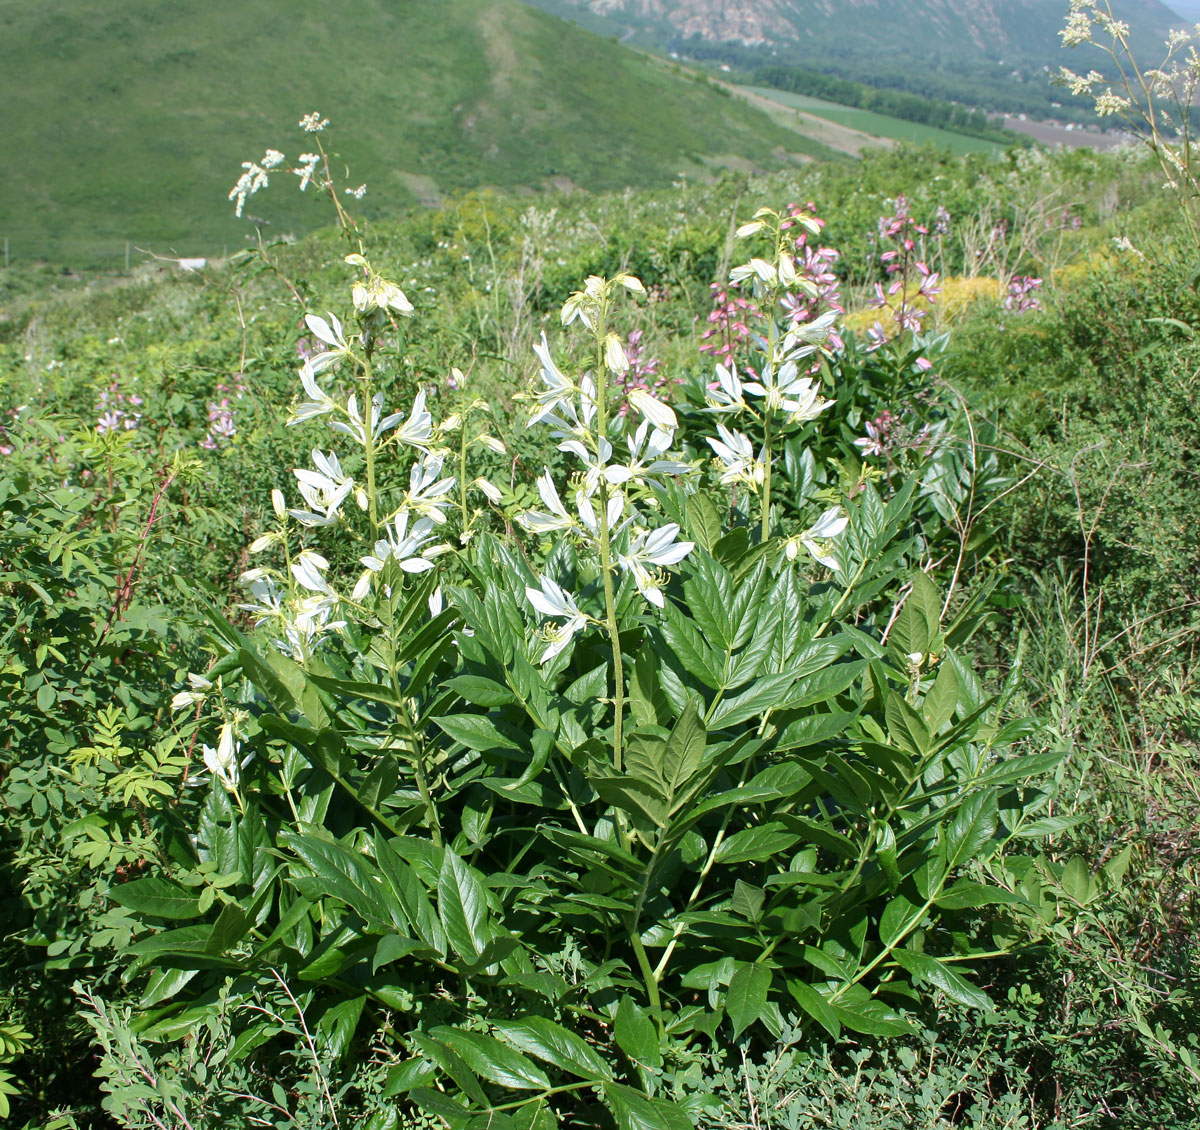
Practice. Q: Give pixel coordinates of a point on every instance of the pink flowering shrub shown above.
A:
(909, 275)
(118, 410)
(220, 412)
(643, 372)
(1022, 294)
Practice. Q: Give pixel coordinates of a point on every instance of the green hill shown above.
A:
(127, 120)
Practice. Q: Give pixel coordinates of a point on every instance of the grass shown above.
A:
(878, 125)
(127, 120)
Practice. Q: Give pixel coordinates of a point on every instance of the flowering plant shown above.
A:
(688, 749)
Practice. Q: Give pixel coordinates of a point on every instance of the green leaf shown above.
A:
(492, 1060)
(448, 1061)
(187, 941)
(336, 1027)
(344, 875)
(636, 1034)
(688, 647)
(966, 894)
(1077, 882)
(824, 685)
(476, 732)
(746, 997)
(391, 948)
(897, 919)
(462, 908)
(704, 522)
(941, 700)
(1049, 826)
(973, 826)
(634, 1111)
(556, 1045)
(813, 729)
(405, 1076)
(816, 1006)
(942, 976)
(755, 844)
(906, 727)
(872, 1018)
(685, 749)
(480, 691)
(410, 897)
(160, 898)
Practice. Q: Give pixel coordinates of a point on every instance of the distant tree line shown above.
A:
(1013, 87)
(894, 103)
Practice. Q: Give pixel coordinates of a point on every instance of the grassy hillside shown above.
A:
(129, 119)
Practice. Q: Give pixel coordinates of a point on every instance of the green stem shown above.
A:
(766, 497)
(768, 408)
(462, 474)
(369, 447)
(606, 555)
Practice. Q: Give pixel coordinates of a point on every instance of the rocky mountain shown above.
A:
(986, 29)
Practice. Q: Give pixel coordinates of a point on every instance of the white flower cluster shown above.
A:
(606, 492)
(780, 391)
(254, 176)
(308, 607)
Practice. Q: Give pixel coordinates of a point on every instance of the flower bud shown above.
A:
(614, 355)
(278, 504)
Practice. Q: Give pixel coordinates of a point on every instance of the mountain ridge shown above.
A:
(987, 28)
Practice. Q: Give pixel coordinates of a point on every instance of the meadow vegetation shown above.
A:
(710, 657)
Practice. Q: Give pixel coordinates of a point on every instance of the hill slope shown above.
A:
(128, 119)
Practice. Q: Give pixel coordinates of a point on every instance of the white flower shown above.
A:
(409, 548)
(588, 516)
(645, 446)
(200, 687)
(418, 428)
(558, 391)
(307, 168)
(552, 601)
(379, 294)
(308, 570)
(658, 413)
(264, 594)
(493, 493)
(818, 538)
(727, 395)
(653, 547)
(330, 332)
(555, 516)
(758, 269)
(313, 123)
(789, 392)
(595, 462)
(324, 489)
(427, 491)
(222, 762)
(813, 332)
(254, 177)
(736, 453)
(614, 355)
